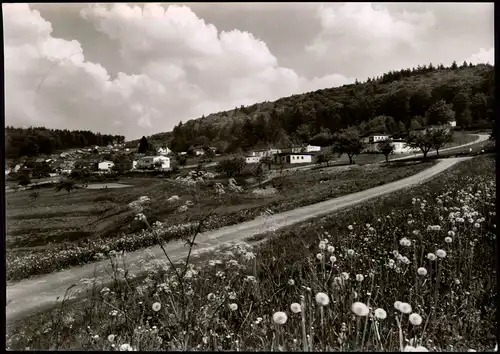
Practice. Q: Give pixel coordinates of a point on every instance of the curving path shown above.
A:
(29, 296)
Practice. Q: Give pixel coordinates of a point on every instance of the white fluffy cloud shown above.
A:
(185, 68)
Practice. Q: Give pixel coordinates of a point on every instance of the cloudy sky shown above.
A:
(138, 69)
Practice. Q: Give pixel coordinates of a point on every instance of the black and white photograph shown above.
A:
(250, 176)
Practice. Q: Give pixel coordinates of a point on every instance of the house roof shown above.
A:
(294, 153)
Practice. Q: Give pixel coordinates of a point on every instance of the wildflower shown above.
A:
(415, 319)
(291, 282)
(451, 233)
(333, 259)
(360, 309)
(249, 256)
(322, 246)
(422, 271)
(397, 305)
(431, 256)
(350, 252)
(350, 227)
(345, 275)
(111, 338)
(477, 225)
(405, 308)
(156, 307)
(448, 239)
(380, 314)
(280, 317)
(211, 296)
(360, 277)
(405, 242)
(319, 256)
(322, 299)
(457, 281)
(331, 249)
(232, 295)
(233, 306)
(295, 307)
(126, 348)
(441, 253)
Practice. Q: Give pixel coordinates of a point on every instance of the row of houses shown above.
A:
(302, 154)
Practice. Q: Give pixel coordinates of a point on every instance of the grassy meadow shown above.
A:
(59, 230)
(413, 271)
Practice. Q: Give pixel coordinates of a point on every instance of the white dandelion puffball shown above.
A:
(360, 277)
(295, 307)
(448, 239)
(291, 282)
(397, 305)
(405, 242)
(350, 252)
(280, 317)
(126, 348)
(405, 308)
(420, 349)
(211, 296)
(422, 271)
(322, 299)
(331, 249)
(360, 309)
(415, 319)
(345, 275)
(350, 227)
(111, 338)
(441, 253)
(322, 245)
(431, 256)
(319, 256)
(233, 306)
(156, 307)
(380, 314)
(451, 233)
(333, 259)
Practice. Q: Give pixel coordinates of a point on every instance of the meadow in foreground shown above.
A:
(59, 231)
(414, 271)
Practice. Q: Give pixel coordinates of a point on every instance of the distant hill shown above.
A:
(34, 141)
(393, 103)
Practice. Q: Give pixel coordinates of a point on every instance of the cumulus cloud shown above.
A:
(483, 56)
(185, 68)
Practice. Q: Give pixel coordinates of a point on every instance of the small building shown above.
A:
(307, 148)
(266, 152)
(183, 153)
(163, 151)
(125, 165)
(252, 159)
(199, 152)
(401, 148)
(150, 162)
(292, 158)
(105, 165)
(453, 123)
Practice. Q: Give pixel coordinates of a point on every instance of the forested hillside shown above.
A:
(34, 141)
(394, 103)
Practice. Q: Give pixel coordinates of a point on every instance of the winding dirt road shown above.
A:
(30, 296)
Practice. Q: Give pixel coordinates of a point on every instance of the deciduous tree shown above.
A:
(348, 142)
(386, 147)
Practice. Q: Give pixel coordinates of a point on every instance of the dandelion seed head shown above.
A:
(280, 317)
(291, 282)
(333, 259)
(431, 256)
(422, 271)
(331, 249)
(233, 306)
(441, 253)
(448, 239)
(415, 319)
(350, 252)
(111, 338)
(405, 308)
(360, 309)
(322, 299)
(397, 305)
(156, 306)
(295, 307)
(319, 256)
(380, 314)
(360, 277)
(345, 275)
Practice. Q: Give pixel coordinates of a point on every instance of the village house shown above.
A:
(105, 165)
(372, 141)
(163, 151)
(265, 152)
(199, 152)
(252, 159)
(150, 162)
(401, 148)
(125, 165)
(292, 158)
(307, 148)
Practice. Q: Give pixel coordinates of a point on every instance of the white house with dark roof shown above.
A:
(292, 158)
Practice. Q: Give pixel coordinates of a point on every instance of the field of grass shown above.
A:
(413, 271)
(60, 230)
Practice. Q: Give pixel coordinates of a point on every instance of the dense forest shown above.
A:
(34, 141)
(395, 103)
